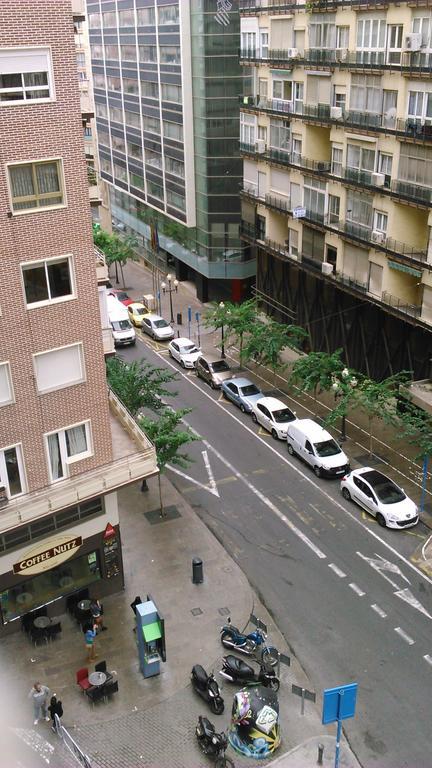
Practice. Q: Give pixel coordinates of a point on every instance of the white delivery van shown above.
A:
(316, 446)
(122, 330)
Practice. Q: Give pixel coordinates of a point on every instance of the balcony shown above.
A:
(253, 7)
(400, 305)
(101, 266)
(134, 457)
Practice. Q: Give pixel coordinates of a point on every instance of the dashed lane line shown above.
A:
(337, 570)
(428, 658)
(379, 611)
(356, 589)
(404, 635)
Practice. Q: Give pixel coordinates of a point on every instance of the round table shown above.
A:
(42, 622)
(24, 597)
(66, 581)
(97, 678)
(84, 605)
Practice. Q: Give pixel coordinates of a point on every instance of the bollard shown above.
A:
(320, 754)
(197, 570)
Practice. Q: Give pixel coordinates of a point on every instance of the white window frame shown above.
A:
(38, 208)
(421, 99)
(65, 459)
(68, 384)
(3, 473)
(15, 52)
(365, 43)
(45, 262)
(380, 221)
(6, 365)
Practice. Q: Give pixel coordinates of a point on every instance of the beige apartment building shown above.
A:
(66, 443)
(336, 136)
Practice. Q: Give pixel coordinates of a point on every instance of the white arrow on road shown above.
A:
(211, 487)
(380, 565)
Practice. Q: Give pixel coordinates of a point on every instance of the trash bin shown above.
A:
(179, 318)
(197, 570)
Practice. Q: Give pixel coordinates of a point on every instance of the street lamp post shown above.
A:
(170, 289)
(340, 388)
(222, 307)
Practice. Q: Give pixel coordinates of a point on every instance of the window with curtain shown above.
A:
(313, 244)
(149, 90)
(314, 197)
(176, 167)
(101, 110)
(151, 124)
(133, 119)
(134, 150)
(280, 135)
(128, 52)
(171, 93)
(153, 158)
(169, 54)
(146, 16)
(173, 130)
(359, 210)
(366, 93)
(12, 471)
(420, 106)
(127, 18)
(361, 158)
(6, 391)
(112, 52)
(48, 281)
(130, 86)
(423, 26)
(118, 143)
(25, 75)
(336, 160)
(333, 209)
(36, 185)
(176, 200)
(67, 446)
(147, 53)
(371, 33)
(322, 31)
(116, 114)
(415, 164)
(120, 173)
(109, 19)
(168, 14)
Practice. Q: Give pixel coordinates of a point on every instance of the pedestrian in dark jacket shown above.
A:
(55, 708)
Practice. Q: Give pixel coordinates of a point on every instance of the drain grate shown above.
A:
(154, 517)
(224, 611)
(196, 611)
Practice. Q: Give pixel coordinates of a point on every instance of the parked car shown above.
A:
(316, 447)
(184, 351)
(381, 497)
(273, 415)
(121, 296)
(136, 312)
(242, 392)
(213, 370)
(122, 331)
(157, 327)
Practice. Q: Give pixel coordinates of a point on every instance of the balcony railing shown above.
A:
(400, 305)
(249, 7)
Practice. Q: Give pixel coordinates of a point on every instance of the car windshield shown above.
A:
(283, 415)
(219, 365)
(121, 325)
(160, 324)
(121, 295)
(249, 389)
(388, 493)
(327, 448)
(188, 349)
(140, 310)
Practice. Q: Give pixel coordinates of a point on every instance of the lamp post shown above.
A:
(339, 387)
(222, 307)
(170, 289)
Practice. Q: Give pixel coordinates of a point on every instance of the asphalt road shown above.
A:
(342, 590)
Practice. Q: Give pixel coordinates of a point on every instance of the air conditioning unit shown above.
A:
(378, 179)
(326, 268)
(293, 53)
(413, 41)
(336, 113)
(342, 54)
(260, 146)
(378, 237)
(3, 497)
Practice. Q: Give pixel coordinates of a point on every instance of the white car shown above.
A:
(381, 497)
(157, 327)
(273, 415)
(184, 351)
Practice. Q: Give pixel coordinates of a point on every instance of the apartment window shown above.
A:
(280, 135)
(389, 108)
(298, 96)
(296, 149)
(333, 209)
(94, 20)
(262, 88)
(314, 197)
(36, 185)
(153, 158)
(247, 128)
(6, 391)
(109, 19)
(420, 106)
(262, 132)
(415, 164)
(264, 44)
(101, 110)
(126, 18)
(371, 34)
(134, 150)
(133, 119)
(168, 14)
(114, 83)
(151, 124)
(169, 54)
(172, 93)
(99, 80)
(119, 172)
(112, 52)
(248, 44)
(175, 167)
(149, 90)
(12, 471)
(384, 166)
(318, 89)
(105, 166)
(423, 26)
(25, 75)
(155, 190)
(130, 86)
(366, 93)
(176, 200)
(48, 281)
(147, 53)
(394, 43)
(359, 210)
(336, 160)
(313, 244)
(380, 222)
(173, 130)
(360, 158)
(128, 53)
(342, 37)
(293, 242)
(118, 143)
(59, 368)
(145, 16)
(116, 114)
(322, 32)
(80, 59)
(67, 446)
(339, 96)
(282, 89)
(136, 181)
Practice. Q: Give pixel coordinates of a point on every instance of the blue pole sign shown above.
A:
(339, 704)
(197, 318)
(189, 320)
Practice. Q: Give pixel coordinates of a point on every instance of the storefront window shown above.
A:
(46, 587)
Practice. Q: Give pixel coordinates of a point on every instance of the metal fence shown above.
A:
(71, 745)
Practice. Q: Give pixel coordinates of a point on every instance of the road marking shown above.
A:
(308, 479)
(379, 611)
(211, 487)
(263, 432)
(380, 565)
(337, 571)
(356, 589)
(428, 658)
(404, 636)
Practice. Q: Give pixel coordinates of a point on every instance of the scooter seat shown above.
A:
(208, 727)
(238, 666)
(200, 675)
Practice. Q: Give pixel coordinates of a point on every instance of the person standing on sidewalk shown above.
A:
(90, 633)
(55, 708)
(96, 611)
(39, 695)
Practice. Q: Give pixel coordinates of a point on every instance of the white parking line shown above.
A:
(356, 589)
(404, 636)
(379, 611)
(428, 658)
(337, 570)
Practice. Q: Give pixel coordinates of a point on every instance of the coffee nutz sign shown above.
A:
(56, 550)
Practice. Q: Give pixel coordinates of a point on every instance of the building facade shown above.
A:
(336, 136)
(65, 448)
(167, 81)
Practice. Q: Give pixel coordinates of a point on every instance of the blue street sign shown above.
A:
(197, 316)
(189, 314)
(339, 703)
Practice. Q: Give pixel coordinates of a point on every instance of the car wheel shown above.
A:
(317, 470)
(274, 434)
(381, 520)
(346, 494)
(254, 418)
(182, 363)
(290, 449)
(242, 408)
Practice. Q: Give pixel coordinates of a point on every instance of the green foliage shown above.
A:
(139, 384)
(117, 250)
(379, 398)
(315, 372)
(167, 438)
(416, 429)
(267, 340)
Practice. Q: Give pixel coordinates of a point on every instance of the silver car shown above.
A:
(157, 328)
(213, 370)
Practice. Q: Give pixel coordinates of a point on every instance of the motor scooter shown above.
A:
(237, 671)
(213, 744)
(249, 644)
(207, 687)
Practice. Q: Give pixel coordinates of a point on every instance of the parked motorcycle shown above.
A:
(207, 687)
(231, 637)
(212, 744)
(237, 671)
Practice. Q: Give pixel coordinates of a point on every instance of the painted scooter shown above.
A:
(207, 687)
(249, 644)
(237, 671)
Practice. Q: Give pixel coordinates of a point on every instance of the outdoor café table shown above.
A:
(84, 605)
(42, 622)
(97, 678)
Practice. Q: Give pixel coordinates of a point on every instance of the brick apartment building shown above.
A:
(63, 449)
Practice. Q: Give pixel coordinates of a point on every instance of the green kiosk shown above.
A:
(150, 636)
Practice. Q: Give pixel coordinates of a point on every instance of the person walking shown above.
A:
(55, 708)
(90, 633)
(96, 611)
(39, 694)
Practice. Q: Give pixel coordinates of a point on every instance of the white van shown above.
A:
(313, 444)
(122, 330)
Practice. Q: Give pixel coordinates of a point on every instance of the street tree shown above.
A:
(343, 385)
(417, 431)
(316, 372)
(117, 250)
(139, 384)
(378, 399)
(168, 439)
(267, 341)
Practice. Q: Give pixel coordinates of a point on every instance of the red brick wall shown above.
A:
(35, 132)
